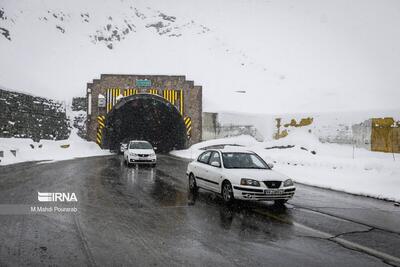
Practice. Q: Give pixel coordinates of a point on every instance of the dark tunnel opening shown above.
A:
(145, 117)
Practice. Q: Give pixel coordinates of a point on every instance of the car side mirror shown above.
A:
(216, 164)
(270, 165)
(155, 148)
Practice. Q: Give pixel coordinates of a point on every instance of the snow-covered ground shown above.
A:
(28, 150)
(304, 158)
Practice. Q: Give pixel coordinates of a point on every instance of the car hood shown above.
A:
(256, 174)
(141, 151)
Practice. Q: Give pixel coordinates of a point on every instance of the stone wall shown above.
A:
(210, 125)
(26, 116)
(385, 135)
(361, 133)
(214, 127)
(360, 129)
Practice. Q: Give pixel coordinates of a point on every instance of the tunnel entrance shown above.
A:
(145, 117)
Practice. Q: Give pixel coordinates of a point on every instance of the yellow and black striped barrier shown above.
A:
(153, 91)
(188, 124)
(181, 102)
(111, 97)
(113, 94)
(170, 96)
(101, 120)
(128, 92)
(175, 97)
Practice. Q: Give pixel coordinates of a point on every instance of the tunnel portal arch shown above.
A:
(109, 107)
(145, 117)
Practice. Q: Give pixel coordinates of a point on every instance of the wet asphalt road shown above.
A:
(147, 217)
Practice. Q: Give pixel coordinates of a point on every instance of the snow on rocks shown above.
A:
(16, 150)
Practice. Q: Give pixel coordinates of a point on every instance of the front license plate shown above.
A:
(273, 191)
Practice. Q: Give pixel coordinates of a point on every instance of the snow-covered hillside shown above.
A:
(16, 150)
(288, 56)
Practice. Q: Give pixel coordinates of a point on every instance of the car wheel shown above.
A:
(154, 165)
(227, 192)
(192, 183)
(280, 202)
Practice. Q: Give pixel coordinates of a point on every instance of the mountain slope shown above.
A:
(286, 56)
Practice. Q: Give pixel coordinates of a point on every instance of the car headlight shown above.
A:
(245, 181)
(288, 182)
(133, 154)
(152, 154)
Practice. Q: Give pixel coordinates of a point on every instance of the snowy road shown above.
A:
(144, 216)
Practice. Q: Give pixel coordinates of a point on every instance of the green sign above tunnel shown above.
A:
(143, 83)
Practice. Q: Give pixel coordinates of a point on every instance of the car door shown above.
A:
(201, 169)
(213, 173)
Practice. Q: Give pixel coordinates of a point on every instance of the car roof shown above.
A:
(232, 150)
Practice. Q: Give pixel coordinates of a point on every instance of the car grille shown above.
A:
(273, 184)
(143, 155)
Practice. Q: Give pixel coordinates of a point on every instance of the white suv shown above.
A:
(238, 174)
(140, 152)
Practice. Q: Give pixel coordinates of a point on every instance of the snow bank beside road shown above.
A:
(305, 159)
(27, 150)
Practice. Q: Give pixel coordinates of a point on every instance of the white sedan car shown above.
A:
(140, 152)
(238, 174)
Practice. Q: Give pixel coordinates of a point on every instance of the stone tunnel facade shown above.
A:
(103, 94)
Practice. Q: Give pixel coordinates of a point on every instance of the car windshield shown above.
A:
(237, 160)
(140, 145)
